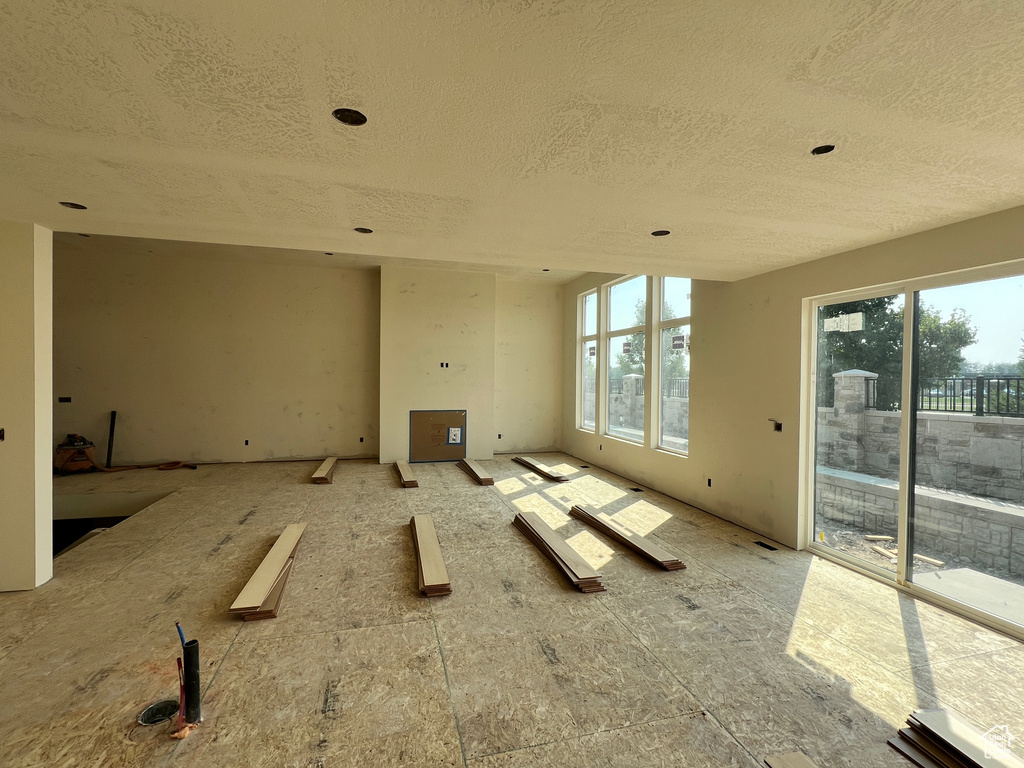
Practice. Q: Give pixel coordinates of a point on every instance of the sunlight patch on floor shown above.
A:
(598, 492)
(510, 485)
(591, 549)
(548, 512)
(642, 517)
(845, 646)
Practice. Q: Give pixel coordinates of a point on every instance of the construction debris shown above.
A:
(540, 469)
(405, 475)
(616, 530)
(892, 554)
(433, 575)
(325, 474)
(475, 471)
(940, 738)
(261, 596)
(878, 537)
(568, 560)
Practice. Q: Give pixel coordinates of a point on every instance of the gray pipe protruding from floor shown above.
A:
(193, 695)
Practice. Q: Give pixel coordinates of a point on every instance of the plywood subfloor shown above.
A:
(747, 653)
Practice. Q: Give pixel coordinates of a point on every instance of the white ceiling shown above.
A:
(533, 133)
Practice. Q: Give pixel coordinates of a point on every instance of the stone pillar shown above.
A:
(847, 419)
(26, 406)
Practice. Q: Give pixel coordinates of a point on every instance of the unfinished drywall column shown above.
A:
(436, 353)
(26, 405)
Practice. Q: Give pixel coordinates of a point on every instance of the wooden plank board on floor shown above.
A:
(913, 754)
(627, 536)
(922, 743)
(955, 734)
(325, 474)
(270, 607)
(475, 471)
(569, 561)
(540, 469)
(790, 760)
(405, 475)
(255, 592)
(433, 574)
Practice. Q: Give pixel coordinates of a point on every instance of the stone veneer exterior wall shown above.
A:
(981, 455)
(946, 525)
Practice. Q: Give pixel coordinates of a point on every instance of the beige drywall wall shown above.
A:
(745, 360)
(198, 356)
(429, 317)
(26, 338)
(528, 366)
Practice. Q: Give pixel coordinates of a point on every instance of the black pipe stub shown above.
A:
(193, 695)
(159, 712)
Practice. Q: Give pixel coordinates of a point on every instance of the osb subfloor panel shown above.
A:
(746, 653)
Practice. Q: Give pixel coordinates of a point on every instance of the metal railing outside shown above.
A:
(978, 395)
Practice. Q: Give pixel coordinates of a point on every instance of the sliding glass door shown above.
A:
(967, 516)
(916, 464)
(857, 437)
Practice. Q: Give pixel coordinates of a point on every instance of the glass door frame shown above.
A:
(908, 438)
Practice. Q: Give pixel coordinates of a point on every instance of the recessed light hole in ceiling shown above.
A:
(328, 253)
(349, 116)
(545, 270)
(824, 149)
(364, 230)
(76, 206)
(661, 232)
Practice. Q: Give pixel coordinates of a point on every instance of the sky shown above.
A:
(625, 295)
(996, 309)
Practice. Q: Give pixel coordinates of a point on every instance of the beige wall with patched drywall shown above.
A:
(429, 317)
(528, 366)
(197, 356)
(745, 369)
(26, 337)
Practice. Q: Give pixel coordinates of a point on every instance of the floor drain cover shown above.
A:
(159, 712)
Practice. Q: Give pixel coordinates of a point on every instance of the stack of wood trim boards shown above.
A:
(939, 738)
(433, 576)
(568, 560)
(475, 471)
(613, 529)
(405, 475)
(540, 469)
(261, 596)
(325, 474)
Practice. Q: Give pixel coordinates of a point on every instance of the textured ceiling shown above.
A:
(533, 133)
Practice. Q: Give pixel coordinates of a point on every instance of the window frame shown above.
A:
(607, 337)
(659, 332)
(583, 338)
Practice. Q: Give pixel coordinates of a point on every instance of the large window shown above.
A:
(627, 325)
(633, 380)
(674, 410)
